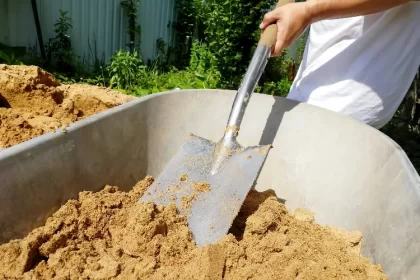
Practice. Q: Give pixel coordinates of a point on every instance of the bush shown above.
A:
(59, 49)
(127, 73)
(231, 33)
(280, 88)
(125, 70)
(155, 82)
(228, 33)
(204, 64)
(9, 59)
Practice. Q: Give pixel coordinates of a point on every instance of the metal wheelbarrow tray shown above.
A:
(349, 174)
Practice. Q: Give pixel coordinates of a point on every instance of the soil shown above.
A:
(201, 187)
(33, 102)
(109, 235)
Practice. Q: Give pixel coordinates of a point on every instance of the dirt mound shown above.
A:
(107, 235)
(33, 102)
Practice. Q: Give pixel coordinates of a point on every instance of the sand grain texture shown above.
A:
(108, 235)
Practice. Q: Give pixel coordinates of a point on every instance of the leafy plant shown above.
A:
(134, 29)
(63, 78)
(154, 81)
(231, 32)
(277, 69)
(125, 70)
(283, 87)
(59, 48)
(280, 88)
(187, 26)
(161, 62)
(33, 57)
(204, 64)
(9, 59)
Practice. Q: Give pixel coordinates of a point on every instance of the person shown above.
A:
(360, 58)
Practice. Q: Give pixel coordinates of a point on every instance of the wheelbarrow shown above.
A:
(350, 175)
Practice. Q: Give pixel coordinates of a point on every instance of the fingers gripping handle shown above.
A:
(269, 35)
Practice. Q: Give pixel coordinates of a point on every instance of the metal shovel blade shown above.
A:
(209, 181)
(211, 208)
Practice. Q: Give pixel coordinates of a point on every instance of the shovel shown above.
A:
(209, 181)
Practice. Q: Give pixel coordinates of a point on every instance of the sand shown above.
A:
(108, 235)
(33, 102)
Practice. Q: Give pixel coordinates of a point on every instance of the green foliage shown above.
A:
(280, 88)
(11, 55)
(228, 29)
(276, 70)
(231, 32)
(187, 24)
(130, 6)
(161, 62)
(62, 78)
(154, 82)
(126, 72)
(201, 73)
(9, 59)
(204, 64)
(125, 69)
(59, 50)
(63, 24)
(187, 16)
(301, 47)
(283, 87)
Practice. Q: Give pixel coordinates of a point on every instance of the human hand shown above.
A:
(291, 19)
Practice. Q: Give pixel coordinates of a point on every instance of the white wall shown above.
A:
(102, 20)
(4, 32)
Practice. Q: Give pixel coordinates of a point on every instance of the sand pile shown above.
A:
(107, 235)
(33, 102)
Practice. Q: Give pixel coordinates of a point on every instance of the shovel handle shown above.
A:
(249, 82)
(269, 35)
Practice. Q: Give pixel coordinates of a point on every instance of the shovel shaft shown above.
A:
(228, 145)
(252, 76)
(249, 82)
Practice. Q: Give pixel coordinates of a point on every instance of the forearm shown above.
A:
(332, 9)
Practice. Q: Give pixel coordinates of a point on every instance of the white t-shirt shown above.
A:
(361, 66)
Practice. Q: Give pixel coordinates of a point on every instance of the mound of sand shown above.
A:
(33, 102)
(108, 235)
